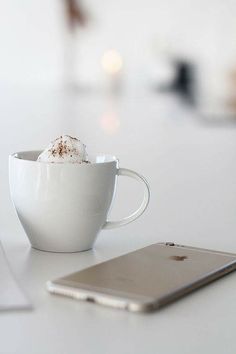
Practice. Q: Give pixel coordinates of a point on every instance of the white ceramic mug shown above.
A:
(62, 207)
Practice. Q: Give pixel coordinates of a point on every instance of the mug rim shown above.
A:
(101, 157)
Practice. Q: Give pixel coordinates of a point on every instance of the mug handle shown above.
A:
(143, 206)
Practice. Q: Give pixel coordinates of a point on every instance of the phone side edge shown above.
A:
(117, 302)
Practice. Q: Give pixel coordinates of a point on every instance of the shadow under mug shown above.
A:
(62, 207)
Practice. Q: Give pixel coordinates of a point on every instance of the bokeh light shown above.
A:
(112, 62)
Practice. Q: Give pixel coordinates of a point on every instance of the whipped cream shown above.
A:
(64, 149)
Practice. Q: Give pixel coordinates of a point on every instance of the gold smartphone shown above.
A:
(146, 279)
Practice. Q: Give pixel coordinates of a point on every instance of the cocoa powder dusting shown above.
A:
(61, 149)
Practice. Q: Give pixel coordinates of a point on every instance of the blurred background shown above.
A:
(149, 44)
(153, 82)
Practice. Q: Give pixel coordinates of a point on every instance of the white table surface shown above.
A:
(191, 166)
